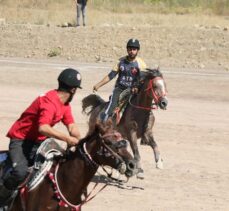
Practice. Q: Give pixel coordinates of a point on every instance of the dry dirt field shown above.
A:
(187, 41)
(192, 134)
(193, 53)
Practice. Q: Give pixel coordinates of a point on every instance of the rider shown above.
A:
(36, 124)
(127, 69)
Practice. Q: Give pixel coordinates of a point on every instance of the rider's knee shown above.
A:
(20, 171)
(16, 176)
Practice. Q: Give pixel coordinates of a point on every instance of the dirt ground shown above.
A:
(193, 53)
(192, 134)
(187, 41)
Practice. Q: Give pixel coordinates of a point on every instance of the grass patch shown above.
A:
(59, 11)
(54, 52)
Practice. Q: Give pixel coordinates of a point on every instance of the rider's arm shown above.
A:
(141, 69)
(105, 80)
(73, 130)
(49, 131)
(46, 120)
(142, 64)
(69, 122)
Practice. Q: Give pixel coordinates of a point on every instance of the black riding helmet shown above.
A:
(69, 78)
(134, 43)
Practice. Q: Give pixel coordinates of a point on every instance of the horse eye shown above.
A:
(108, 142)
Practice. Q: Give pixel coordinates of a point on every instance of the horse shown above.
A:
(138, 119)
(64, 189)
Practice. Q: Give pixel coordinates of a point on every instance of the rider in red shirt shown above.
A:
(36, 124)
(46, 109)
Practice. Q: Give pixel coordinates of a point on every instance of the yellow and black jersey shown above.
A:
(127, 71)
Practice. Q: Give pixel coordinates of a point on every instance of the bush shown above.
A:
(54, 52)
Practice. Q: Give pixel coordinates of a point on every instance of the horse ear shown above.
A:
(154, 72)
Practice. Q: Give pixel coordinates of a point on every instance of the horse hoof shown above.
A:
(140, 174)
(159, 164)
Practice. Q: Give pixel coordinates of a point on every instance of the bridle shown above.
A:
(105, 149)
(150, 92)
(84, 152)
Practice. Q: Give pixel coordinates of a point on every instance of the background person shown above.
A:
(81, 9)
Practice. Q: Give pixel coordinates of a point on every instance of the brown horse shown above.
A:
(138, 119)
(103, 146)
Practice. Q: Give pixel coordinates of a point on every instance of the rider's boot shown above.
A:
(5, 194)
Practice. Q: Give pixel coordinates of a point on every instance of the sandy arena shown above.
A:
(192, 134)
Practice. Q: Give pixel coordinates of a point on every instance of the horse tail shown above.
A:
(90, 102)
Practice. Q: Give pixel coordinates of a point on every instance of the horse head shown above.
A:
(113, 149)
(153, 85)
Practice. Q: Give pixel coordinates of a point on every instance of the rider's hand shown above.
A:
(95, 88)
(72, 141)
(134, 90)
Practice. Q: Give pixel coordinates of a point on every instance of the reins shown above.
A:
(149, 90)
(108, 148)
(63, 201)
(143, 107)
(53, 177)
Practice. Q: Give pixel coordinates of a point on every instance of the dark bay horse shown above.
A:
(103, 146)
(138, 119)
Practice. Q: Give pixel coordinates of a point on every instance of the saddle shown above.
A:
(44, 159)
(43, 162)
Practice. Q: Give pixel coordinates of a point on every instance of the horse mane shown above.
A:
(154, 72)
(100, 127)
(71, 154)
(90, 102)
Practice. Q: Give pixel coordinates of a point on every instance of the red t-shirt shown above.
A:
(46, 109)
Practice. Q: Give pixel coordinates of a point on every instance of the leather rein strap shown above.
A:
(53, 177)
(148, 90)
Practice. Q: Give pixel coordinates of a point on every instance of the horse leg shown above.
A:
(149, 140)
(147, 126)
(157, 154)
(133, 143)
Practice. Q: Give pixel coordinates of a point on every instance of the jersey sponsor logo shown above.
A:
(126, 81)
(122, 68)
(134, 70)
